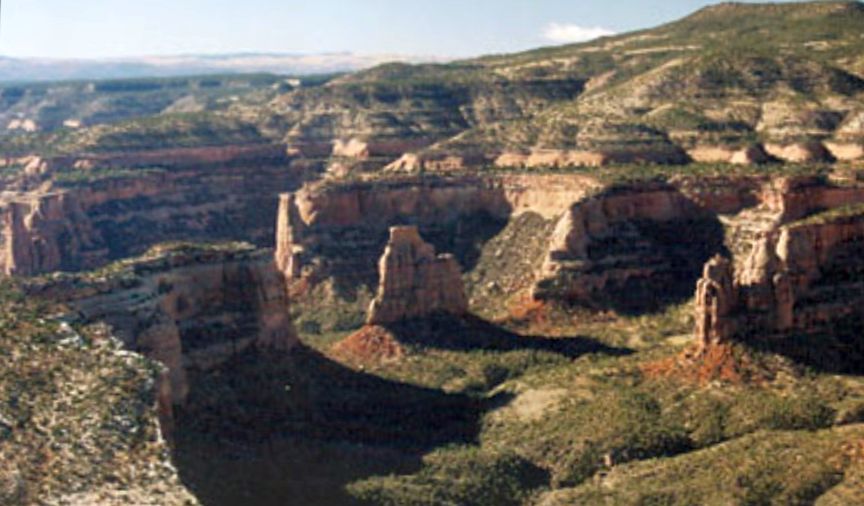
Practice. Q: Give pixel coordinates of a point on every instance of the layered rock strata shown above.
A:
(621, 246)
(803, 275)
(615, 241)
(605, 238)
(188, 308)
(318, 223)
(415, 282)
(103, 207)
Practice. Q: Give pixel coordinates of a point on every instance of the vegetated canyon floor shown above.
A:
(585, 191)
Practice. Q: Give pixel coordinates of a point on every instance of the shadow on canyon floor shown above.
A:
(295, 429)
(474, 333)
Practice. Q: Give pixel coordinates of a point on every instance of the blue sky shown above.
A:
(115, 28)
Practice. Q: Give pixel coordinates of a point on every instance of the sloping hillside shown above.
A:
(728, 77)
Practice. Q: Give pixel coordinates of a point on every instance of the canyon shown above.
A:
(779, 253)
(57, 222)
(770, 256)
(190, 308)
(543, 278)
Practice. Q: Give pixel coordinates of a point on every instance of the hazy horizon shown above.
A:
(101, 29)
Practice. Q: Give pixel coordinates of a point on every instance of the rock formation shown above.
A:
(802, 275)
(43, 233)
(289, 230)
(721, 154)
(186, 308)
(415, 282)
(605, 238)
(612, 243)
(358, 214)
(198, 193)
(715, 302)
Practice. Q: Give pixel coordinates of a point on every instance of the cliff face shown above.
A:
(188, 309)
(629, 247)
(415, 282)
(43, 233)
(802, 275)
(108, 206)
(614, 243)
(317, 224)
(593, 245)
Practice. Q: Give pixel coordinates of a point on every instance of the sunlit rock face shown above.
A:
(802, 272)
(415, 282)
(80, 221)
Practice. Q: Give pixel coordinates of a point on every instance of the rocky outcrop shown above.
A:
(845, 151)
(613, 242)
(415, 282)
(116, 205)
(188, 308)
(432, 162)
(802, 276)
(605, 239)
(289, 232)
(722, 154)
(629, 247)
(45, 232)
(552, 158)
(715, 303)
(317, 223)
(806, 152)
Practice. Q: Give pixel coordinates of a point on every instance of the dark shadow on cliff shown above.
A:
(463, 236)
(836, 344)
(295, 429)
(836, 351)
(676, 251)
(473, 333)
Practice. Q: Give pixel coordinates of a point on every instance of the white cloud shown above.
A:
(565, 33)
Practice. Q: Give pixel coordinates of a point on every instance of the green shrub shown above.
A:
(464, 476)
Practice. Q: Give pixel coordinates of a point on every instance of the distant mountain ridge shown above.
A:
(51, 69)
(734, 82)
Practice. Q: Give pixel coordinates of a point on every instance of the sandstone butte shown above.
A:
(415, 282)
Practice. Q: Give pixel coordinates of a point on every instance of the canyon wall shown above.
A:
(616, 247)
(804, 273)
(608, 238)
(321, 223)
(190, 308)
(99, 207)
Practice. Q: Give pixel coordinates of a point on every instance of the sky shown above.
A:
(442, 28)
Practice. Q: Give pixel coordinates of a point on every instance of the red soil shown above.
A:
(717, 363)
(371, 345)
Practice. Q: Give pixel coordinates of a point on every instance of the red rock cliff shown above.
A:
(415, 282)
(211, 193)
